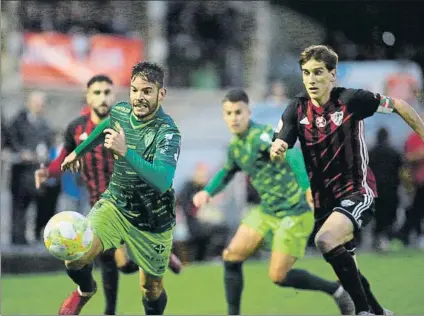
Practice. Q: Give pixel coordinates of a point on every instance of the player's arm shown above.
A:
(285, 135)
(218, 182)
(95, 138)
(295, 160)
(364, 104)
(160, 173)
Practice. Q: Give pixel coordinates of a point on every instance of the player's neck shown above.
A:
(318, 102)
(94, 118)
(137, 120)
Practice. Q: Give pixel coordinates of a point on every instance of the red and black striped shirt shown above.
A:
(97, 164)
(333, 142)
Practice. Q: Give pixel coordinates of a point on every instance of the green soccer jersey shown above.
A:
(281, 185)
(141, 183)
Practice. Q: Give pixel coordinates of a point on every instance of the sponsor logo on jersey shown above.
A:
(347, 203)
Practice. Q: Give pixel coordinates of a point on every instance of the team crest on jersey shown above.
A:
(148, 139)
(337, 118)
(266, 138)
(321, 121)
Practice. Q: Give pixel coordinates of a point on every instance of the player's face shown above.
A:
(100, 98)
(318, 80)
(145, 97)
(237, 116)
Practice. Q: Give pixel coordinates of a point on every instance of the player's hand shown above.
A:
(115, 141)
(201, 198)
(71, 162)
(41, 175)
(278, 149)
(309, 198)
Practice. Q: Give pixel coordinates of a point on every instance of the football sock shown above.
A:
(303, 280)
(156, 307)
(345, 268)
(110, 278)
(129, 267)
(233, 280)
(83, 278)
(375, 305)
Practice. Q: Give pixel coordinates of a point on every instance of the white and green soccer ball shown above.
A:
(68, 236)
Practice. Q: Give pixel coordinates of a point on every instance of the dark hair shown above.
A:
(99, 78)
(320, 53)
(382, 135)
(150, 71)
(236, 95)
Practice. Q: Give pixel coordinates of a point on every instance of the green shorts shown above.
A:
(287, 235)
(150, 251)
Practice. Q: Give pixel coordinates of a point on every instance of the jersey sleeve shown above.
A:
(69, 139)
(287, 127)
(364, 103)
(168, 146)
(295, 160)
(220, 180)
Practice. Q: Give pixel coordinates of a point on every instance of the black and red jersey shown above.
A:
(97, 164)
(333, 142)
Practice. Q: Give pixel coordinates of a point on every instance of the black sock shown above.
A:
(375, 305)
(345, 268)
(110, 280)
(233, 280)
(303, 280)
(83, 278)
(129, 267)
(156, 307)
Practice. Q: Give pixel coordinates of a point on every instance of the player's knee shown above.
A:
(229, 255)
(277, 277)
(76, 264)
(325, 241)
(152, 290)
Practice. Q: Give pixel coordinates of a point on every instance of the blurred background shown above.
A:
(206, 47)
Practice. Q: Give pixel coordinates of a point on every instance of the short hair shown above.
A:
(320, 53)
(99, 78)
(150, 71)
(236, 95)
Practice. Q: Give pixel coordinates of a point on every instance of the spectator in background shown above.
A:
(199, 236)
(49, 194)
(414, 154)
(386, 163)
(30, 140)
(275, 102)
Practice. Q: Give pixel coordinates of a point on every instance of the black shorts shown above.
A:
(359, 208)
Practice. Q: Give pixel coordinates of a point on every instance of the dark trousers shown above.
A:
(385, 215)
(45, 202)
(413, 216)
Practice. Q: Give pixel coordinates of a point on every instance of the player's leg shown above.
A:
(289, 243)
(110, 278)
(151, 252)
(105, 225)
(336, 231)
(372, 300)
(247, 239)
(123, 261)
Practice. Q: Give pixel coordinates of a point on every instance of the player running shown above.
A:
(137, 208)
(98, 168)
(284, 211)
(329, 124)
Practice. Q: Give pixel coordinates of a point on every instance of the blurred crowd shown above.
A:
(71, 17)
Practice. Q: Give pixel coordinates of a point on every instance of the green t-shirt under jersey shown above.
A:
(280, 185)
(141, 183)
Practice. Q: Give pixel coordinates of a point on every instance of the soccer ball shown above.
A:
(68, 236)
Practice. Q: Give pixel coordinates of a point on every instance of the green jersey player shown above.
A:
(284, 217)
(137, 209)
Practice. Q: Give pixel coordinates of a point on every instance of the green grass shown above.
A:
(397, 280)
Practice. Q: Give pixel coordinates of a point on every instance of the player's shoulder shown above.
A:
(259, 128)
(79, 121)
(121, 108)
(167, 124)
(350, 95)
